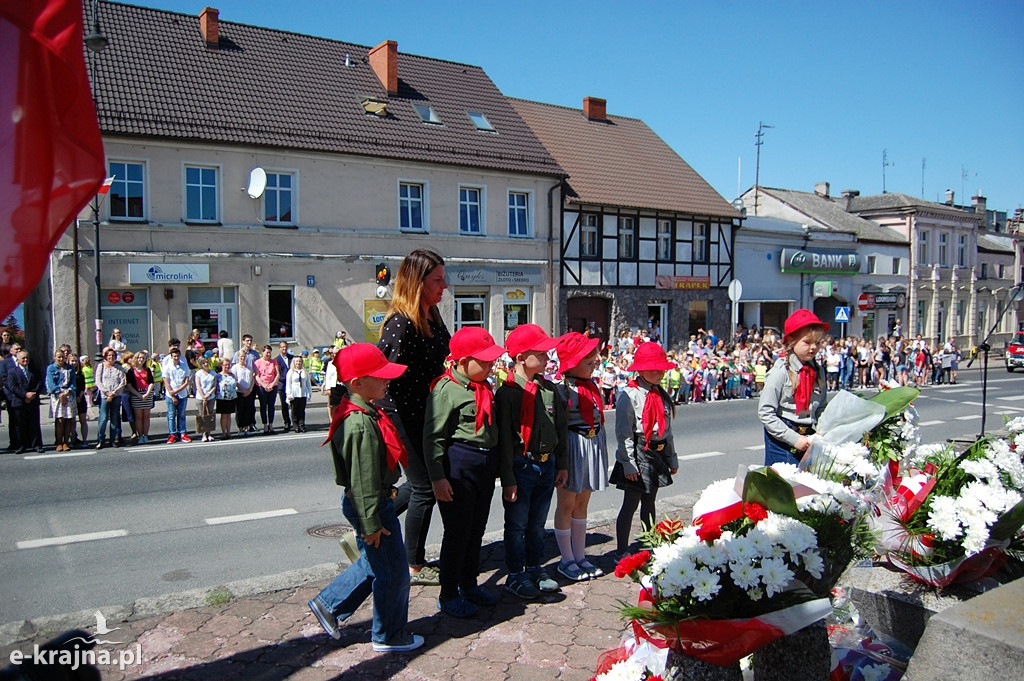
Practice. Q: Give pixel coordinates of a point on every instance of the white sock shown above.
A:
(564, 540)
(579, 538)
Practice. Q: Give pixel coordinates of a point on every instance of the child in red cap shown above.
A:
(459, 440)
(578, 359)
(645, 459)
(793, 396)
(367, 451)
(533, 458)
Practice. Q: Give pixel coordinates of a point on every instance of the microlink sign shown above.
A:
(819, 262)
(143, 273)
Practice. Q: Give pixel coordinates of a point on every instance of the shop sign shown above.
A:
(163, 273)
(873, 301)
(807, 261)
(374, 312)
(682, 283)
(495, 276)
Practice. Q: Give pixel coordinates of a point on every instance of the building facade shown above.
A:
(261, 177)
(645, 242)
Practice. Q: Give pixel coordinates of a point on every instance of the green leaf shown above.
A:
(766, 487)
(896, 399)
(1008, 524)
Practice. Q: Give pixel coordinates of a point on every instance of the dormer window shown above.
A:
(375, 106)
(480, 121)
(427, 113)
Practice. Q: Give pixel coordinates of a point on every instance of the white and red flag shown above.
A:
(51, 152)
(105, 187)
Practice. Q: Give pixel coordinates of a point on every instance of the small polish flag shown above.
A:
(106, 185)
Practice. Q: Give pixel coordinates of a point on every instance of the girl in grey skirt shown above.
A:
(588, 453)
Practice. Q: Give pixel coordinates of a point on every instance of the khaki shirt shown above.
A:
(550, 430)
(451, 417)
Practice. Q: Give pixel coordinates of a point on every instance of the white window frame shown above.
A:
(896, 266)
(293, 193)
(923, 256)
(943, 249)
(665, 241)
(480, 121)
(291, 291)
(524, 222)
(426, 113)
(872, 262)
(481, 207)
(961, 255)
(145, 189)
(216, 168)
(424, 205)
(627, 235)
(472, 299)
(701, 235)
(590, 238)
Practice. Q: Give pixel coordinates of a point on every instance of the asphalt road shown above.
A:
(100, 528)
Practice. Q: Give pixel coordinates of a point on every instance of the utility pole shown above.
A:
(757, 170)
(922, 176)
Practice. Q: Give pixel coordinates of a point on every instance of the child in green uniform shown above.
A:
(367, 451)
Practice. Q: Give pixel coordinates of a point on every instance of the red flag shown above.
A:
(105, 187)
(51, 152)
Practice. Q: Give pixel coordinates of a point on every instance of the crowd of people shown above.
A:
(121, 390)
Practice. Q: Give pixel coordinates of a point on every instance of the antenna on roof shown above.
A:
(757, 170)
(885, 162)
(257, 183)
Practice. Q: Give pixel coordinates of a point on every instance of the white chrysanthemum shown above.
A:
(975, 538)
(625, 670)
(705, 585)
(718, 553)
(875, 672)
(761, 541)
(755, 594)
(1007, 460)
(943, 518)
(664, 556)
(813, 563)
(1018, 441)
(744, 574)
(981, 469)
(1016, 425)
(775, 575)
(935, 453)
(742, 550)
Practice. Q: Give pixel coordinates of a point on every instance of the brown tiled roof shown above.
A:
(620, 162)
(265, 87)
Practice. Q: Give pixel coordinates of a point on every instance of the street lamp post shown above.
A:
(96, 42)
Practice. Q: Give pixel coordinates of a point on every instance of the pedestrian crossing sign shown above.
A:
(842, 314)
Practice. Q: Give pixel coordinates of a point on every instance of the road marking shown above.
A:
(250, 516)
(754, 447)
(57, 456)
(1011, 399)
(70, 539)
(702, 455)
(973, 404)
(930, 423)
(968, 418)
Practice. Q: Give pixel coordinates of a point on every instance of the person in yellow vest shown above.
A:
(675, 380)
(760, 371)
(315, 367)
(158, 378)
(90, 379)
(341, 340)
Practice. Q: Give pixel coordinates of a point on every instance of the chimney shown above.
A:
(849, 195)
(950, 194)
(980, 204)
(209, 25)
(594, 108)
(384, 60)
(822, 189)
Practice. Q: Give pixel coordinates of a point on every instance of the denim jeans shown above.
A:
(176, 415)
(776, 452)
(268, 404)
(110, 412)
(525, 517)
(382, 571)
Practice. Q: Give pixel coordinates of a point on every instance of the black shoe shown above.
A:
(20, 450)
(40, 450)
(287, 427)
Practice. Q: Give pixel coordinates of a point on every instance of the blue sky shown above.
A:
(939, 81)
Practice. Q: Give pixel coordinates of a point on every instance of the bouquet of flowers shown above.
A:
(952, 517)
(718, 591)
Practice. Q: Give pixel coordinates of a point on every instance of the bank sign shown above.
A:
(806, 261)
(142, 273)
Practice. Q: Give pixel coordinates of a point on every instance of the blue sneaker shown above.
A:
(327, 620)
(478, 595)
(542, 579)
(521, 585)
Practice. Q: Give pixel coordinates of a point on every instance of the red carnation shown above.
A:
(755, 511)
(709, 532)
(630, 564)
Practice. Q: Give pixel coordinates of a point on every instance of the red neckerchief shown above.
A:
(804, 388)
(482, 393)
(526, 409)
(396, 450)
(653, 413)
(590, 398)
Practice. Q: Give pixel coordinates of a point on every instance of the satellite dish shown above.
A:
(257, 183)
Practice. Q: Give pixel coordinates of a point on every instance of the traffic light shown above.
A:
(383, 275)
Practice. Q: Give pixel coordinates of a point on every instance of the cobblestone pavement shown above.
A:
(272, 634)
